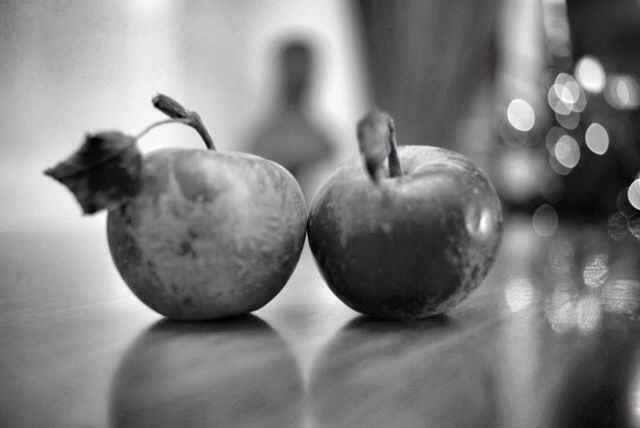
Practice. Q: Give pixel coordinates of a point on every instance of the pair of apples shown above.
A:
(202, 234)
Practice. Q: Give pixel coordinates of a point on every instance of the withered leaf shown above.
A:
(103, 172)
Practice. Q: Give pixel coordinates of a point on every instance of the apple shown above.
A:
(195, 234)
(407, 238)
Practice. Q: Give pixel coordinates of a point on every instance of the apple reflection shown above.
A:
(234, 373)
(601, 389)
(380, 373)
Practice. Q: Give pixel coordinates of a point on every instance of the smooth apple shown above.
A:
(195, 234)
(410, 233)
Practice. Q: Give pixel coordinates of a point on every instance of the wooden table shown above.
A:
(549, 339)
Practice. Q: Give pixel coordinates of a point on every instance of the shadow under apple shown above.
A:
(239, 372)
(384, 373)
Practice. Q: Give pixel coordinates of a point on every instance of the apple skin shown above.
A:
(209, 234)
(412, 247)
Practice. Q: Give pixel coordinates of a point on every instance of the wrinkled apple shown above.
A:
(195, 234)
(408, 237)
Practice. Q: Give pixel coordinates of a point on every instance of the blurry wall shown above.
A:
(70, 67)
(428, 60)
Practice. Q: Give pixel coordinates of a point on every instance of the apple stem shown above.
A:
(395, 167)
(175, 110)
(162, 122)
(377, 142)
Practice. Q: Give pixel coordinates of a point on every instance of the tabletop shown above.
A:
(548, 339)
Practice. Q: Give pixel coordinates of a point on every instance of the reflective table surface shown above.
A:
(550, 339)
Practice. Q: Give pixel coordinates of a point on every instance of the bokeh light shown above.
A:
(553, 136)
(565, 314)
(587, 313)
(568, 121)
(545, 220)
(596, 270)
(590, 74)
(569, 91)
(633, 226)
(597, 138)
(556, 104)
(519, 294)
(557, 166)
(559, 310)
(521, 115)
(623, 92)
(566, 96)
(621, 296)
(633, 193)
(567, 151)
(623, 204)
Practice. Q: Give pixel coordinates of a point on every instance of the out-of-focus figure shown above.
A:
(290, 137)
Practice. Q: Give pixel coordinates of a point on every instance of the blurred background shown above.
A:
(543, 95)
(72, 67)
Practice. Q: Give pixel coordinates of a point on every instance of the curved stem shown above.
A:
(198, 125)
(162, 122)
(175, 110)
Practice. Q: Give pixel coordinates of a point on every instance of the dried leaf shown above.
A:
(103, 172)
